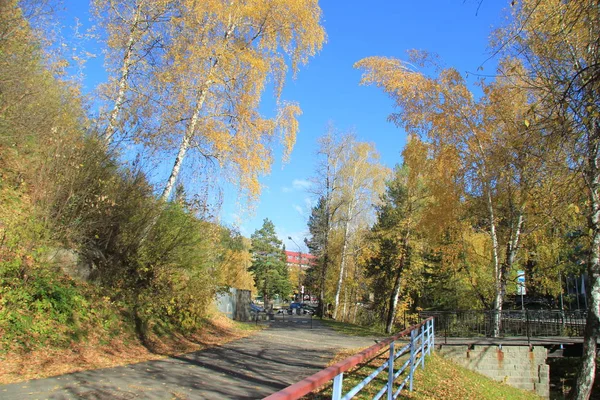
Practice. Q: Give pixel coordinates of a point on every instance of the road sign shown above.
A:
(521, 283)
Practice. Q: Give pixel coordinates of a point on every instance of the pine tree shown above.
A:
(269, 263)
(318, 226)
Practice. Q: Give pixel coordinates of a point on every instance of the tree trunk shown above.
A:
(396, 289)
(498, 273)
(393, 302)
(185, 143)
(183, 148)
(342, 267)
(587, 371)
(123, 84)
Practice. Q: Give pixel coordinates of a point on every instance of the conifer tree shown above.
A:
(268, 266)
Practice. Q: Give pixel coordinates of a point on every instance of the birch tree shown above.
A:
(444, 110)
(136, 34)
(558, 43)
(217, 69)
(326, 186)
(361, 178)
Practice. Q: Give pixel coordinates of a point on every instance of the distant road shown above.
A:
(249, 368)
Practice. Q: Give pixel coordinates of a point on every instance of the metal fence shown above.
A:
(421, 340)
(529, 323)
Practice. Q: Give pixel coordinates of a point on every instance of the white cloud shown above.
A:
(297, 185)
(301, 184)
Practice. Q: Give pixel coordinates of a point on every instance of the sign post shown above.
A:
(521, 287)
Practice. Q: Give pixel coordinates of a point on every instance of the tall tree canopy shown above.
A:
(269, 263)
(396, 235)
(558, 44)
(189, 77)
(488, 156)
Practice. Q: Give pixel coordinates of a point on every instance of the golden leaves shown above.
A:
(228, 52)
(288, 125)
(200, 68)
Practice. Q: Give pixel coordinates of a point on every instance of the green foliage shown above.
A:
(39, 304)
(172, 275)
(153, 266)
(269, 263)
(39, 307)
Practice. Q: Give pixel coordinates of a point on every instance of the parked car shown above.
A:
(301, 308)
(308, 308)
(256, 308)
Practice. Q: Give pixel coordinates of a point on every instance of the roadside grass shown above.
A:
(351, 329)
(441, 379)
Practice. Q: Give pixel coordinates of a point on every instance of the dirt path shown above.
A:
(249, 368)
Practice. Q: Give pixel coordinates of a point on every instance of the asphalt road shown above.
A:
(249, 368)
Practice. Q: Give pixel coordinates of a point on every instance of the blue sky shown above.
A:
(328, 88)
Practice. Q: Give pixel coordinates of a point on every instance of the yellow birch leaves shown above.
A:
(203, 88)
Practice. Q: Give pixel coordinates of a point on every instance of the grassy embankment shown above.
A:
(17, 366)
(441, 379)
(95, 269)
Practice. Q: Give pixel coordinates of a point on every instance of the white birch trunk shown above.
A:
(123, 82)
(342, 265)
(497, 269)
(393, 303)
(185, 144)
(587, 372)
(396, 290)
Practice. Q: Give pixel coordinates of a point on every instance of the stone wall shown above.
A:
(517, 366)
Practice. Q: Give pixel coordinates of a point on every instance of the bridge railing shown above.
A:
(529, 323)
(421, 340)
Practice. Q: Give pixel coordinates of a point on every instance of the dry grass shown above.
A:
(441, 379)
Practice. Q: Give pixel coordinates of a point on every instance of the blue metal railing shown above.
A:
(420, 344)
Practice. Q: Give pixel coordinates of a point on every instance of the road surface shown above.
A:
(249, 368)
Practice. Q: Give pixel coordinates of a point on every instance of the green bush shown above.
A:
(153, 264)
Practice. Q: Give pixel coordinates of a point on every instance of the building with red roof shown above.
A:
(304, 260)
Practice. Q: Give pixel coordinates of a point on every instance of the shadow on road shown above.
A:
(249, 368)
